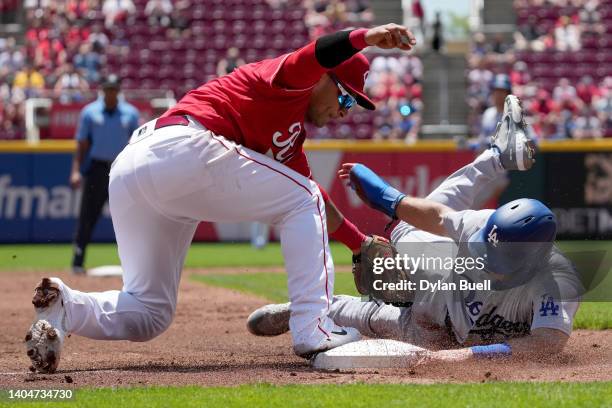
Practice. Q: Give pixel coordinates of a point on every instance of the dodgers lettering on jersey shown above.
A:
(501, 317)
(249, 108)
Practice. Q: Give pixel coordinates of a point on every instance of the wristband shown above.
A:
(349, 235)
(375, 191)
(357, 38)
(492, 350)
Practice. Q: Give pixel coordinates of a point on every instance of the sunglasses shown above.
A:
(345, 99)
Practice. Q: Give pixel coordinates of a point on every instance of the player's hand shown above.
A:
(345, 171)
(75, 180)
(372, 189)
(390, 36)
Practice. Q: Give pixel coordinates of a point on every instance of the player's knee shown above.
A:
(157, 322)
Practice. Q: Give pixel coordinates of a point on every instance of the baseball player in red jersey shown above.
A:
(229, 151)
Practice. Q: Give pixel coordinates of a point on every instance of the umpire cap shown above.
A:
(111, 81)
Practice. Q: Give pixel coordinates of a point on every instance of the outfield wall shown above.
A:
(574, 178)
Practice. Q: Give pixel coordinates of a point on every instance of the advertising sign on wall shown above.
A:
(579, 190)
(37, 204)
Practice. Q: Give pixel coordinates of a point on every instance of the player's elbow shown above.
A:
(441, 212)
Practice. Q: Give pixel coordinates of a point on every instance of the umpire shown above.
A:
(105, 126)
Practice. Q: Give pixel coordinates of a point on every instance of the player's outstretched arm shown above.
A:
(305, 67)
(378, 194)
(541, 343)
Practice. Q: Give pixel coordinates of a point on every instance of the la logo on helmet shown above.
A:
(492, 237)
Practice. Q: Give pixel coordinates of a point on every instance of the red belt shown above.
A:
(171, 121)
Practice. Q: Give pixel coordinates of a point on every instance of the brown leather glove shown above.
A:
(363, 264)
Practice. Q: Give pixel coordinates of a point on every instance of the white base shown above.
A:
(380, 353)
(106, 270)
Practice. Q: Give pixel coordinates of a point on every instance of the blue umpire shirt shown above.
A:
(107, 131)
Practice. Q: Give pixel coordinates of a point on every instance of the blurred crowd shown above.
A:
(326, 16)
(16, 82)
(563, 26)
(67, 44)
(62, 56)
(395, 85)
(576, 106)
(394, 81)
(65, 48)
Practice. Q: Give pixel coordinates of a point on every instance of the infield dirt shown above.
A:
(208, 344)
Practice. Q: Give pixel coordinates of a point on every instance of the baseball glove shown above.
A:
(363, 271)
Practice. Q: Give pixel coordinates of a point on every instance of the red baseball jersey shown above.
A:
(254, 107)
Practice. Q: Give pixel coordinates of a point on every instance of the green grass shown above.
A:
(273, 286)
(58, 257)
(201, 255)
(532, 395)
(594, 316)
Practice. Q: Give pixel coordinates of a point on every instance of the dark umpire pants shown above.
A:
(95, 195)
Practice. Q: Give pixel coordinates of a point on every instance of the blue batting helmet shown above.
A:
(517, 234)
(501, 81)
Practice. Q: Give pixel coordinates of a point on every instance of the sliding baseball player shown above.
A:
(535, 290)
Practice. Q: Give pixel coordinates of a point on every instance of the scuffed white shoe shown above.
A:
(45, 338)
(516, 150)
(269, 320)
(339, 336)
(273, 320)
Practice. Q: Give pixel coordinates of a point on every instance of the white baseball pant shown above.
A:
(161, 186)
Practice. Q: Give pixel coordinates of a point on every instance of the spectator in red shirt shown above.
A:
(49, 50)
(542, 104)
(586, 89)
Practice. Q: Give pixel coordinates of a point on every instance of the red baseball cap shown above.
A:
(352, 73)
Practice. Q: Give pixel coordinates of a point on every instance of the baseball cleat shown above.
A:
(339, 336)
(45, 338)
(516, 149)
(269, 320)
